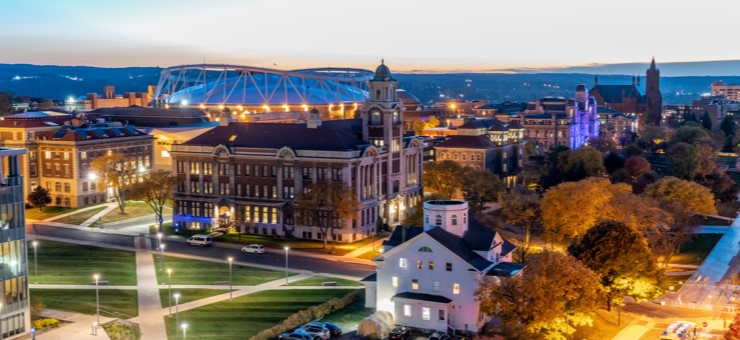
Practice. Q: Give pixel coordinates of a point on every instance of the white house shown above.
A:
(427, 277)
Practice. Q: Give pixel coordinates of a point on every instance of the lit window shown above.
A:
(418, 264)
(402, 262)
(456, 288)
(435, 286)
(406, 310)
(394, 281)
(165, 154)
(431, 265)
(415, 284)
(425, 313)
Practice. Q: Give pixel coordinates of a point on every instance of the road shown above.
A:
(218, 251)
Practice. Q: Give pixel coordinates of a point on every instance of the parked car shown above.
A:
(439, 336)
(399, 333)
(317, 330)
(253, 248)
(678, 330)
(295, 336)
(200, 240)
(333, 329)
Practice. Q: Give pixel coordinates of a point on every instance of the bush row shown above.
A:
(45, 323)
(122, 330)
(309, 314)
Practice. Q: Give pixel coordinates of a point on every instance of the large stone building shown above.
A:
(249, 174)
(570, 122)
(729, 91)
(426, 278)
(59, 153)
(487, 144)
(15, 315)
(109, 99)
(628, 100)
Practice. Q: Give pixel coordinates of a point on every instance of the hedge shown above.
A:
(122, 330)
(309, 314)
(46, 323)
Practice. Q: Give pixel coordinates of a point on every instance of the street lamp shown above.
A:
(169, 282)
(177, 312)
(286, 264)
(159, 242)
(35, 261)
(184, 330)
(231, 260)
(161, 256)
(97, 299)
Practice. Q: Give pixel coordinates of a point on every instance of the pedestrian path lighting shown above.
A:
(286, 264)
(177, 312)
(169, 282)
(97, 298)
(161, 256)
(159, 242)
(231, 260)
(35, 261)
(184, 330)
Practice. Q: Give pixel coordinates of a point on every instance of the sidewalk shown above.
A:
(150, 318)
(80, 327)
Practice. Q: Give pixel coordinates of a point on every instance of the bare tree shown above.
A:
(325, 205)
(156, 191)
(117, 172)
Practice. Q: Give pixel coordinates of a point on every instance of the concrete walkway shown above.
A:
(80, 327)
(53, 218)
(150, 316)
(366, 248)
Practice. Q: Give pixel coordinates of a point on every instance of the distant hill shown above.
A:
(60, 82)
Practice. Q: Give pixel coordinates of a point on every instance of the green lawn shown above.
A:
(676, 282)
(317, 280)
(604, 325)
(248, 315)
(78, 218)
(133, 209)
(369, 255)
(349, 317)
(48, 212)
(64, 263)
(298, 244)
(195, 272)
(83, 300)
(187, 295)
(696, 250)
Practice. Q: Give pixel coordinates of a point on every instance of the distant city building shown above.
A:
(460, 107)
(249, 174)
(16, 314)
(570, 122)
(717, 107)
(426, 278)
(487, 144)
(628, 100)
(502, 111)
(730, 91)
(109, 98)
(673, 115)
(617, 126)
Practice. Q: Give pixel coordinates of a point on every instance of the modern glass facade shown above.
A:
(15, 315)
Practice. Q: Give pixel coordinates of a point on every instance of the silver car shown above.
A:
(316, 330)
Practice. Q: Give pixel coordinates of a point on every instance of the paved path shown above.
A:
(99, 215)
(150, 318)
(80, 327)
(366, 248)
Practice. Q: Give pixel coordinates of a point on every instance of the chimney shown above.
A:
(109, 92)
(225, 118)
(315, 120)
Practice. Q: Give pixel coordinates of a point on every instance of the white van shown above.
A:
(200, 240)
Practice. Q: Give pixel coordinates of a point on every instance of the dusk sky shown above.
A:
(410, 35)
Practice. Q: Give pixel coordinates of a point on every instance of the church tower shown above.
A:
(653, 96)
(383, 111)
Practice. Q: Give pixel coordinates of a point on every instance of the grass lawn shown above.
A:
(676, 282)
(83, 301)
(78, 218)
(248, 315)
(349, 317)
(195, 272)
(133, 209)
(728, 209)
(48, 212)
(604, 325)
(696, 250)
(369, 255)
(187, 295)
(317, 280)
(298, 244)
(64, 263)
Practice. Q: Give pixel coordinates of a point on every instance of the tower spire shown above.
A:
(652, 64)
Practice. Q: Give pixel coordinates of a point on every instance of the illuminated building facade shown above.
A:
(729, 91)
(628, 100)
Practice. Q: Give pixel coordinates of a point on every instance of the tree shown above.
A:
(6, 104)
(480, 187)
(689, 134)
(547, 300)
(621, 257)
(119, 173)
(733, 333)
(728, 125)
(432, 122)
(613, 162)
(691, 196)
(723, 186)
(706, 121)
(326, 205)
(707, 159)
(581, 163)
(522, 208)
(155, 190)
(443, 177)
(46, 104)
(632, 150)
(552, 174)
(418, 126)
(636, 165)
(683, 161)
(651, 138)
(39, 197)
(603, 143)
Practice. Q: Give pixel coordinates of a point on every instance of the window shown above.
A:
(425, 250)
(431, 265)
(273, 171)
(435, 286)
(438, 220)
(448, 266)
(84, 186)
(425, 313)
(394, 281)
(207, 169)
(456, 288)
(274, 191)
(66, 155)
(454, 220)
(288, 172)
(407, 310)
(83, 155)
(415, 284)
(264, 171)
(419, 264)
(441, 314)
(47, 154)
(67, 187)
(402, 262)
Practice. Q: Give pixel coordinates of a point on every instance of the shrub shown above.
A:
(120, 330)
(46, 323)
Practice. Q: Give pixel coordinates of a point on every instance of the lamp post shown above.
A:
(35, 261)
(177, 312)
(231, 260)
(1, 324)
(161, 256)
(286, 264)
(97, 299)
(184, 330)
(169, 282)
(159, 240)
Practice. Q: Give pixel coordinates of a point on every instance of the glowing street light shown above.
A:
(169, 294)
(177, 311)
(159, 242)
(184, 330)
(231, 260)
(161, 256)
(35, 261)
(97, 299)
(286, 264)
